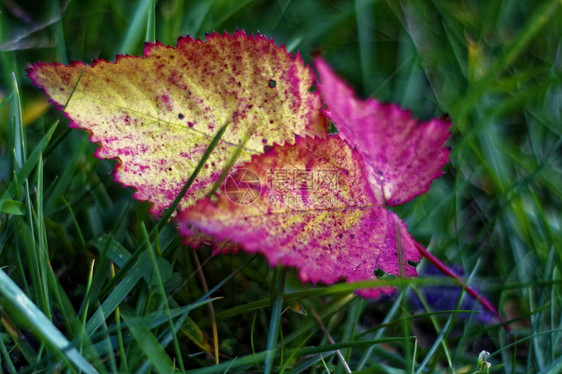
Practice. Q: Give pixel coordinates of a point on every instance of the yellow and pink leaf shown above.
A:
(158, 113)
(315, 204)
(315, 211)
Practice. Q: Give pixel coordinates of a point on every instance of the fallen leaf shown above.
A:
(331, 233)
(313, 210)
(402, 155)
(158, 113)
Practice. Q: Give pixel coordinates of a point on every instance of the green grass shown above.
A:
(90, 281)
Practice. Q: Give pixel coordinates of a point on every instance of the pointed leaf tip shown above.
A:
(158, 113)
(402, 156)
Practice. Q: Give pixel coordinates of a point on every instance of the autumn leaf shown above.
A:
(314, 210)
(158, 113)
(333, 232)
(402, 155)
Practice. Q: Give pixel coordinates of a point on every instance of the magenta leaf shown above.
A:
(313, 210)
(402, 156)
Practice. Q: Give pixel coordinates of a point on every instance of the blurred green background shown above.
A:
(494, 67)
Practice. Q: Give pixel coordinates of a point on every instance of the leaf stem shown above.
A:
(441, 266)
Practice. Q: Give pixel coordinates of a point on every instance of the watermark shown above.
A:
(242, 186)
(301, 180)
(293, 200)
(291, 187)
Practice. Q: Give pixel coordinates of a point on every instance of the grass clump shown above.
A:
(90, 282)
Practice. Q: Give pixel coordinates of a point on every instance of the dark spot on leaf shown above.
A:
(312, 88)
(270, 121)
(169, 169)
(190, 124)
(61, 89)
(264, 141)
(379, 272)
(181, 116)
(239, 84)
(351, 236)
(172, 57)
(272, 83)
(250, 106)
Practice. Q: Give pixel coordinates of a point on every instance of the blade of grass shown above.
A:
(60, 46)
(165, 340)
(211, 309)
(131, 272)
(65, 180)
(351, 324)
(331, 340)
(407, 344)
(6, 356)
(540, 17)
(147, 342)
(160, 285)
(72, 323)
(151, 23)
(311, 324)
(519, 341)
(108, 345)
(367, 50)
(441, 338)
(120, 342)
(133, 260)
(43, 252)
(7, 99)
(277, 287)
(334, 290)
(41, 325)
(135, 30)
(390, 315)
(19, 136)
(249, 360)
(291, 357)
(553, 367)
(85, 309)
(23, 173)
